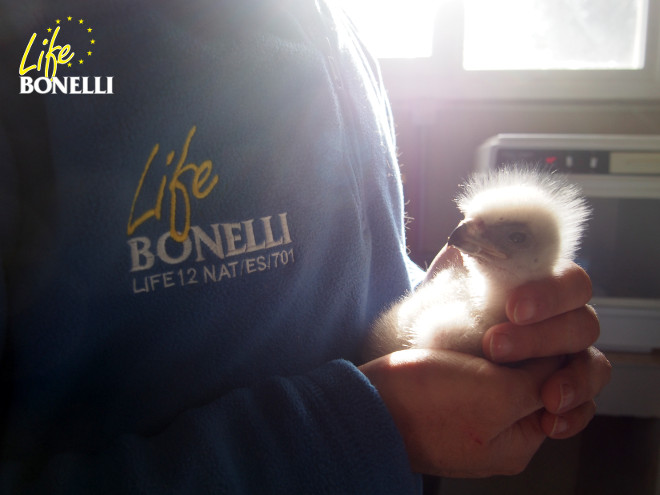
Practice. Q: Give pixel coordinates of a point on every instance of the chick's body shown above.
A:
(520, 224)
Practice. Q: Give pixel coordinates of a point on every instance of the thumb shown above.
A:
(513, 446)
(448, 256)
(529, 377)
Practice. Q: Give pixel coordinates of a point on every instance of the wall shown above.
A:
(438, 139)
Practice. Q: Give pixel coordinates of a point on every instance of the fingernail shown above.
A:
(524, 311)
(567, 396)
(500, 346)
(560, 426)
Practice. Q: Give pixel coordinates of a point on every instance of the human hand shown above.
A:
(551, 318)
(461, 415)
(448, 255)
(465, 416)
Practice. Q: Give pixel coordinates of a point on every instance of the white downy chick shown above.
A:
(520, 224)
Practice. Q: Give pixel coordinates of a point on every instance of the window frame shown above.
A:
(442, 76)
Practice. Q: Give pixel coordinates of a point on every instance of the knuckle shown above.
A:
(587, 286)
(586, 325)
(578, 279)
(580, 418)
(593, 317)
(590, 376)
(603, 363)
(574, 288)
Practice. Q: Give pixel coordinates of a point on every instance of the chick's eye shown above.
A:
(517, 237)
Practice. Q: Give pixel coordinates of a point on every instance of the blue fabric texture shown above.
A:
(191, 262)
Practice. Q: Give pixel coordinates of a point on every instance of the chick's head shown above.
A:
(519, 224)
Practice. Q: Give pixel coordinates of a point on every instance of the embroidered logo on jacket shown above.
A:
(212, 253)
(54, 56)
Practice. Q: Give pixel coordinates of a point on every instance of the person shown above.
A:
(193, 250)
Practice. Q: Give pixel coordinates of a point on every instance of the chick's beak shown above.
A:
(471, 237)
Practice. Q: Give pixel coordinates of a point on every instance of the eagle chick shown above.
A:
(520, 224)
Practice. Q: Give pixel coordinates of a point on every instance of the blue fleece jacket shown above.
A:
(201, 214)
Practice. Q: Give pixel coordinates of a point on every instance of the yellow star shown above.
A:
(80, 21)
(92, 41)
(49, 30)
(69, 18)
(69, 64)
(81, 61)
(89, 54)
(89, 30)
(57, 21)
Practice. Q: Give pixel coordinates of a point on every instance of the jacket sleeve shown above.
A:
(319, 431)
(324, 432)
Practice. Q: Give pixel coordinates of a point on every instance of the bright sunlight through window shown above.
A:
(394, 28)
(512, 34)
(554, 34)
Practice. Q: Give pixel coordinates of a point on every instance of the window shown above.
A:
(570, 49)
(554, 34)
